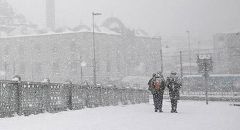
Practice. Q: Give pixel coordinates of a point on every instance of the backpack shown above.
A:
(157, 84)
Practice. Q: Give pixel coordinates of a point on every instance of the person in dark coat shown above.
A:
(174, 84)
(157, 86)
(150, 83)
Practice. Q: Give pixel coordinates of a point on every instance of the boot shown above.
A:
(172, 111)
(160, 110)
(175, 109)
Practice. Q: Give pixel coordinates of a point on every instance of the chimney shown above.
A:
(50, 14)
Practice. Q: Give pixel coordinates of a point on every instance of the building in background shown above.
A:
(227, 53)
(58, 56)
(12, 23)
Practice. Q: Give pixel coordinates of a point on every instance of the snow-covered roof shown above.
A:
(48, 33)
(107, 31)
(141, 33)
(112, 26)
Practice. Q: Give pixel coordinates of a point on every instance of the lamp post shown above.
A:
(5, 67)
(94, 50)
(161, 54)
(83, 64)
(189, 49)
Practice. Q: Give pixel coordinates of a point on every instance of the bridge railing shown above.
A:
(25, 98)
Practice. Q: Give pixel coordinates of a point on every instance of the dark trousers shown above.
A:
(174, 104)
(157, 100)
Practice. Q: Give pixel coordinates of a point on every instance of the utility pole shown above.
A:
(5, 66)
(32, 65)
(14, 67)
(81, 68)
(5, 69)
(181, 68)
(94, 51)
(81, 74)
(205, 80)
(189, 49)
(199, 47)
(161, 55)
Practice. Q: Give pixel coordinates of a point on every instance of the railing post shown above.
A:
(100, 96)
(19, 101)
(89, 96)
(17, 86)
(121, 95)
(46, 94)
(69, 87)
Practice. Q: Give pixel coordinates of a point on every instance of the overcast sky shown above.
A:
(157, 17)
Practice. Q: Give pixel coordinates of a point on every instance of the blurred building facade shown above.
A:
(12, 23)
(227, 53)
(59, 56)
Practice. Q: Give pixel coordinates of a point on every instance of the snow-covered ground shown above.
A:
(192, 115)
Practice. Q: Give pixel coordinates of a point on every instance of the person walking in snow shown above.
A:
(157, 86)
(173, 84)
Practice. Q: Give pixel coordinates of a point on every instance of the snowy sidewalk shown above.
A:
(192, 115)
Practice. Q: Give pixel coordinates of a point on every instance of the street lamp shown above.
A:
(83, 64)
(161, 54)
(5, 67)
(189, 49)
(94, 53)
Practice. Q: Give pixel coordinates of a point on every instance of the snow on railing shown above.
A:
(212, 96)
(25, 98)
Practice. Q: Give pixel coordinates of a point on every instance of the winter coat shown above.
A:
(174, 84)
(152, 87)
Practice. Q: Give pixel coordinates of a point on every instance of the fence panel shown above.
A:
(57, 101)
(105, 96)
(79, 97)
(97, 96)
(8, 98)
(32, 98)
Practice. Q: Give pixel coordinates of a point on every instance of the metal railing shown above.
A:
(212, 96)
(25, 98)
